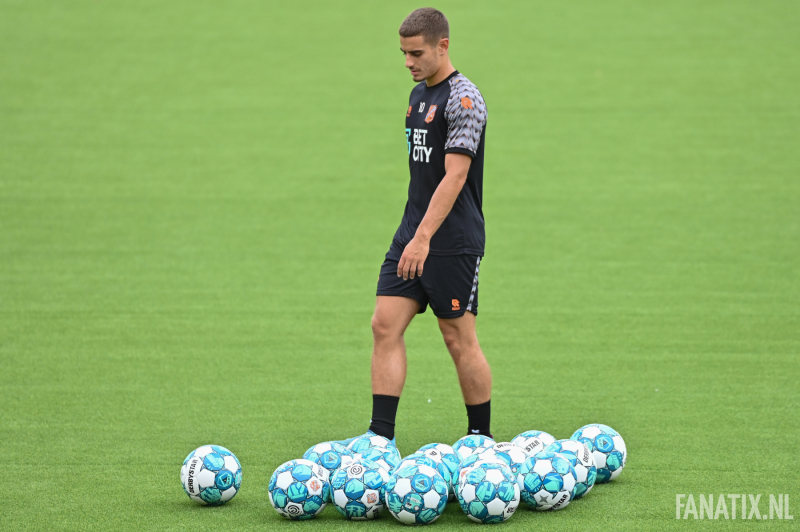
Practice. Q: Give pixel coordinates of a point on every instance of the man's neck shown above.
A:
(441, 74)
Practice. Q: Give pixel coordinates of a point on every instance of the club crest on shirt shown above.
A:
(431, 114)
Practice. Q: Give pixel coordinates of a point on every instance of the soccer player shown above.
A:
(436, 252)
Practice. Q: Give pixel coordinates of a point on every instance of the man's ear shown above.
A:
(444, 45)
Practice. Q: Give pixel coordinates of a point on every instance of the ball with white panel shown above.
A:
(507, 452)
(446, 461)
(330, 455)
(416, 494)
(488, 492)
(547, 481)
(608, 449)
(211, 475)
(386, 457)
(582, 462)
(533, 441)
(299, 489)
(472, 444)
(358, 490)
(365, 442)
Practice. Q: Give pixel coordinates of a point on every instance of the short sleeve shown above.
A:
(466, 117)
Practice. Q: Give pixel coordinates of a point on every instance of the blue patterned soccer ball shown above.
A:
(365, 442)
(547, 481)
(386, 457)
(358, 490)
(416, 458)
(581, 459)
(447, 462)
(472, 444)
(488, 493)
(416, 494)
(468, 462)
(608, 449)
(533, 441)
(298, 489)
(211, 475)
(330, 455)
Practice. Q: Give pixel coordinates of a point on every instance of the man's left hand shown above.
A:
(413, 259)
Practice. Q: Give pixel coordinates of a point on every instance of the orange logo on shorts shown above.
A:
(466, 103)
(456, 305)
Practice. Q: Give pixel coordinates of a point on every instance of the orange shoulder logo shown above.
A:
(431, 114)
(466, 103)
(456, 305)
(409, 112)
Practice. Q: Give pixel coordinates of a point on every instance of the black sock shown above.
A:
(479, 418)
(384, 411)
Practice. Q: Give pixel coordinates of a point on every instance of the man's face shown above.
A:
(422, 59)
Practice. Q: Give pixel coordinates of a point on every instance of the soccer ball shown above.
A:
(330, 455)
(470, 461)
(472, 444)
(416, 458)
(365, 442)
(533, 441)
(211, 475)
(547, 481)
(386, 457)
(581, 459)
(298, 489)
(509, 453)
(488, 493)
(446, 461)
(608, 449)
(416, 494)
(358, 489)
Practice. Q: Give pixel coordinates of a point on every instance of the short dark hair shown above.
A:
(428, 22)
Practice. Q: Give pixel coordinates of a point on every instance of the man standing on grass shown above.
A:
(436, 252)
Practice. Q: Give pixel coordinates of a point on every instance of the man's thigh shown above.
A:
(394, 313)
(451, 285)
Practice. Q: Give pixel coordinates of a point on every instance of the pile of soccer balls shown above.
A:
(488, 479)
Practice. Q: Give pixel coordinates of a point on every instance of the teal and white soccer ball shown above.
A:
(547, 481)
(472, 444)
(581, 459)
(508, 453)
(470, 461)
(330, 455)
(488, 493)
(416, 494)
(533, 441)
(386, 457)
(362, 443)
(299, 489)
(211, 475)
(608, 449)
(446, 460)
(358, 490)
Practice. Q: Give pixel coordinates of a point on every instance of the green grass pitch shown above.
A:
(196, 197)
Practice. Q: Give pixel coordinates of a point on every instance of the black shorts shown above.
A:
(448, 283)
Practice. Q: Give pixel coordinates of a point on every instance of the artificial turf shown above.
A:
(195, 199)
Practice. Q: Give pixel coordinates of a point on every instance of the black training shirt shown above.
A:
(449, 117)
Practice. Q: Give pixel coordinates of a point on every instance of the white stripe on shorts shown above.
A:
(474, 284)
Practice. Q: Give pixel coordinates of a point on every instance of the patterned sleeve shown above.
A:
(466, 117)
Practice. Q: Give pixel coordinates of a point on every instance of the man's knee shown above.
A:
(383, 329)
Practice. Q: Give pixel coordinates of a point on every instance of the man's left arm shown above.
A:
(456, 167)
